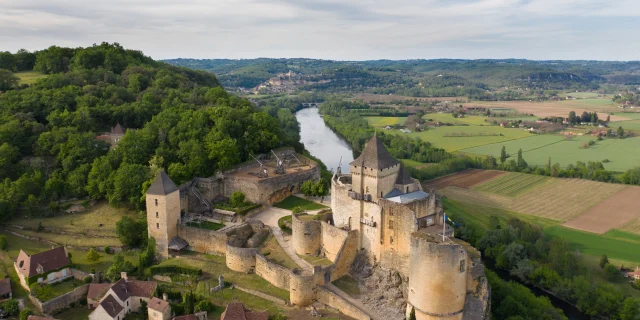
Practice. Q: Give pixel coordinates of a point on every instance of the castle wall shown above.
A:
(346, 211)
(332, 240)
(437, 267)
(302, 288)
(306, 236)
(274, 273)
(241, 259)
(345, 256)
(163, 214)
(334, 301)
(203, 240)
(398, 224)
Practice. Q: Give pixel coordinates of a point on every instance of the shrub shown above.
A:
(3, 242)
(237, 199)
(107, 249)
(92, 256)
(11, 307)
(40, 228)
(297, 210)
(93, 271)
(88, 279)
(611, 272)
(25, 313)
(204, 305)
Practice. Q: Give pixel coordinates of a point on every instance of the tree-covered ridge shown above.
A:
(178, 119)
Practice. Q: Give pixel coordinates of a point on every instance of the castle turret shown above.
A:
(375, 171)
(163, 212)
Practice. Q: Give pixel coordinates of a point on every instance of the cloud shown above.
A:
(354, 29)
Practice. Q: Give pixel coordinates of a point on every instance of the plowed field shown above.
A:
(614, 212)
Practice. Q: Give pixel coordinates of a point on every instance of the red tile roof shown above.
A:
(158, 304)
(49, 260)
(97, 290)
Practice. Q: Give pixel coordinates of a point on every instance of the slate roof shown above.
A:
(393, 193)
(158, 304)
(111, 306)
(162, 185)
(403, 176)
(375, 156)
(49, 260)
(409, 197)
(117, 129)
(237, 311)
(177, 243)
(5, 286)
(97, 290)
(136, 288)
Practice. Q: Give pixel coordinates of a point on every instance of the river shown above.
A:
(327, 146)
(322, 142)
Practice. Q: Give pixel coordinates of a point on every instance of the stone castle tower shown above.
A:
(163, 212)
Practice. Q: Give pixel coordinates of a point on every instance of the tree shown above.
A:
(131, 232)
(237, 199)
(189, 302)
(321, 189)
(204, 305)
(92, 256)
(307, 188)
(620, 132)
(611, 272)
(494, 222)
(608, 118)
(503, 155)
(25, 313)
(629, 310)
(11, 307)
(118, 265)
(7, 80)
(631, 176)
(572, 118)
(412, 315)
(3, 242)
(521, 164)
(127, 183)
(603, 261)
(549, 165)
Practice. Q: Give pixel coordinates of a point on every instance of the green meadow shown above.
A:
(448, 118)
(29, 77)
(385, 121)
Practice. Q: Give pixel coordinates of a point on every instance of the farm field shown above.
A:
(474, 136)
(597, 245)
(560, 199)
(448, 118)
(385, 121)
(29, 77)
(621, 153)
(580, 95)
(512, 185)
(415, 164)
(626, 125)
(556, 108)
(614, 212)
(464, 179)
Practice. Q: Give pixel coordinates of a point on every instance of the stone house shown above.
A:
(120, 298)
(237, 311)
(159, 309)
(114, 136)
(45, 267)
(5, 289)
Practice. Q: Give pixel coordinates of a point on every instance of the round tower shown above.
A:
(306, 235)
(302, 288)
(241, 259)
(437, 278)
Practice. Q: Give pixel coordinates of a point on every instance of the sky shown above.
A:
(332, 29)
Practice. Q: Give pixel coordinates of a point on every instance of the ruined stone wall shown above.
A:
(345, 256)
(306, 236)
(163, 214)
(60, 302)
(241, 259)
(274, 273)
(332, 240)
(302, 288)
(203, 240)
(334, 301)
(346, 211)
(437, 267)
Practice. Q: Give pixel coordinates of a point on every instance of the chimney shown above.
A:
(165, 297)
(123, 275)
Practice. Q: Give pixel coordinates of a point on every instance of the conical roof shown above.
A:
(375, 156)
(403, 176)
(162, 185)
(117, 129)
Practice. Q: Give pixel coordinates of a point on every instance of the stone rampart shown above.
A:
(334, 301)
(241, 259)
(345, 256)
(203, 240)
(332, 240)
(274, 273)
(306, 236)
(302, 288)
(60, 302)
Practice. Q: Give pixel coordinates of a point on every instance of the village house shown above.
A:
(159, 309)
(120, 298)
(5, 289)
(634, 275)
(237, 311)
(45, 267)
(114, 136)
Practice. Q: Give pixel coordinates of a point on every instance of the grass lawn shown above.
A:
(385, 121)
(29, 77)
(316, 261)
(58, 289)
(476, 136)
(78, 312)
(597, 245)
(415, 164)
(292, 201)
(348, 285)
(272, 250)
(626, 125)
(205, 225)
(215, 266)
(283, 227)
(448, 118)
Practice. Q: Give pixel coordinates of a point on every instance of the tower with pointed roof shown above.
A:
(163, 212)
(375, 171)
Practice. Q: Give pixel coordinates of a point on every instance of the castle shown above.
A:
(379, 213)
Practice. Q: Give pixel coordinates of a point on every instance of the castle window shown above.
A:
(157, 226)
(157, 215)
(391, 240)
(156, 202)
(390, 224)
(461, 266)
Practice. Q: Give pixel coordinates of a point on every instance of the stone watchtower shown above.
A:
(163, 212)
(375, 171)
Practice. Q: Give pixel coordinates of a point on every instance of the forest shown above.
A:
(177, 119)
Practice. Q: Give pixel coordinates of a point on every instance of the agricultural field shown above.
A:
(621, 153)
(556, 108)
(620, 210)
(380, 122)
(29, 77)
(448, 118)
(466, 179)
(512, 185)
(580, 95)
(456, 138)
(415, 164)
(626, 125)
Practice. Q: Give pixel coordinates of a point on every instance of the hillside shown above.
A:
(176, 119)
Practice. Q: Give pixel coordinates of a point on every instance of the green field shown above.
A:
(29, 77)
(292, 201)
(512, 184)
(581, 95)
(448, 118)
(626, 125)
(623, 154)
(385, 121)
(514, 118)
(485, 135)
(630, 115)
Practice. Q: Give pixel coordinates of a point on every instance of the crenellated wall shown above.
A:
(274, 273)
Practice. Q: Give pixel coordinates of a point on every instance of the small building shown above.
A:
(45, 267)
(159, 309)
(197, 316)
(5, 289)
(120, 298)
(114, 136)
(634, 275)
(237, 311)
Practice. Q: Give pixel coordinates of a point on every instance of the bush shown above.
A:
(297, 210)
(25, 313)
(237, 199)
(611, 272)
(40, 228)
(107, 249)
(204, 305)
(92, 256)
(3, 242)
(88, 279)
(11, 307)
